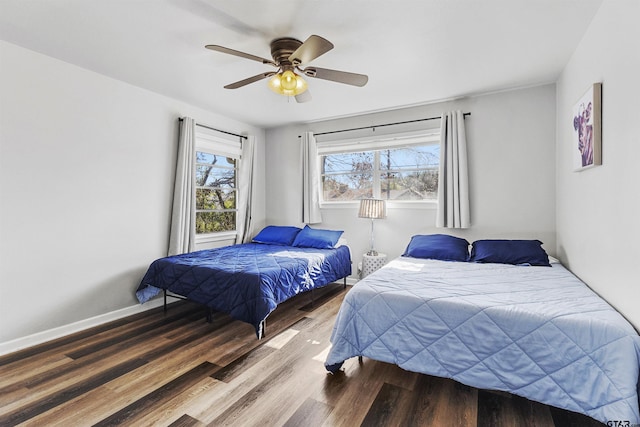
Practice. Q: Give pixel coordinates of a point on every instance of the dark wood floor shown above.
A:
(175, 369)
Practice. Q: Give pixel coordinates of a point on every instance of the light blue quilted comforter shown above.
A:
(537, 332)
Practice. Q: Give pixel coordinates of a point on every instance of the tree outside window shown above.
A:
(404, 173)
(216, 193)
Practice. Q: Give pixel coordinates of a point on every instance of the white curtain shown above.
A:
(310, 180)
(183, 217)
(453, 183)
(246, 173)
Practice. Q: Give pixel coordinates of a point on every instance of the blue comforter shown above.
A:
(246, 281)
(537, 332)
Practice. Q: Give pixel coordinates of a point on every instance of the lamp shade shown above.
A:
(287, 83)
(372, 208)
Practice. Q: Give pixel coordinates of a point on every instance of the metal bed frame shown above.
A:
(210, 311)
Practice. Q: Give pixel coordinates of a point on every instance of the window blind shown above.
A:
(216, 142)
(372, 142)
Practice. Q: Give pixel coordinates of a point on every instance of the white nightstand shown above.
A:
(371, 263)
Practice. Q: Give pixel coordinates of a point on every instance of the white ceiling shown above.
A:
(414, 51)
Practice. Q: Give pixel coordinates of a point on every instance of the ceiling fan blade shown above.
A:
(336, 76)
(312, 48)
(249, 80)
(240, 54)
(303, 97)
(205, 10)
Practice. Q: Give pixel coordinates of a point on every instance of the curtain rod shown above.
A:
(383, 125)
(218, 130)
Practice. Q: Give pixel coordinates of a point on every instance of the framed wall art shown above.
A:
(586, 144)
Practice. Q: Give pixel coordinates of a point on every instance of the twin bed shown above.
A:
(500, 316)
(509, 320)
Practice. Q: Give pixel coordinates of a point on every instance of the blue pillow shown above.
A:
(438, 246)
(317, 238)
(517, 252)
(277, 235)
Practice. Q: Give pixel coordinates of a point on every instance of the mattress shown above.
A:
(537, 332)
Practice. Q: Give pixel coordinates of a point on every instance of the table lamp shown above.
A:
(374, 209)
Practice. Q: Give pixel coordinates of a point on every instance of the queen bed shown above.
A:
(504, 321)
(248, 281)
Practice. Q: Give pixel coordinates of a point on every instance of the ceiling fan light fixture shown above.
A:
(287, 83)
(289, 54)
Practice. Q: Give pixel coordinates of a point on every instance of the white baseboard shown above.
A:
(352, 280)
(61, 331)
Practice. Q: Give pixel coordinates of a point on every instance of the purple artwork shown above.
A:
(587, 129)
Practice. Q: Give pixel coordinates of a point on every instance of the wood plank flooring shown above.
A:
(174, 369)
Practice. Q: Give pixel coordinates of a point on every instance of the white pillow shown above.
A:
(341, 241)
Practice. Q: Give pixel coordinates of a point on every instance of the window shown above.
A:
(215, 193)
(215, 183)
(398, 168)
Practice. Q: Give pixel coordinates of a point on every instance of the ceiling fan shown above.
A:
(289, 55)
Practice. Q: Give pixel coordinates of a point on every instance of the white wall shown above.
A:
(598, 210)
(86, 176)
(511, 143)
